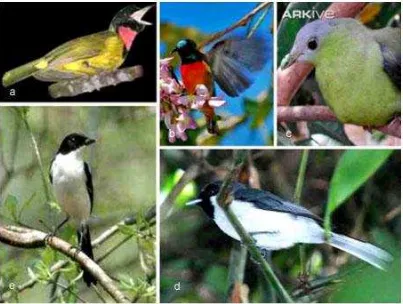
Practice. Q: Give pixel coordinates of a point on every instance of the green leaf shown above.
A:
(127, 230)
(353, 169)
(25, 205)
(188, 192)
(251, 106)
(11, 204)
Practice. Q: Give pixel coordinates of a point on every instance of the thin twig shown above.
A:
(224, 200)
(24, 118)
(236, 271)
(67, 289)
(297, 198)
(242, 22)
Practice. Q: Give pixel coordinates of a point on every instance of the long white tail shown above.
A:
(364, 251)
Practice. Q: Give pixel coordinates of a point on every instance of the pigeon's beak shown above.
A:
(138, 15)
(89, 141)
(194, 202)
(290, 59)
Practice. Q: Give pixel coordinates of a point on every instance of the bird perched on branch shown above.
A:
(357, 69)
(275, 223)
(88, 55)
(230, 63)
(72, 183)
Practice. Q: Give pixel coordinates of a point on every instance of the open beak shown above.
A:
(89, 141)
(173, 51)
(194, 202)
(138, 15)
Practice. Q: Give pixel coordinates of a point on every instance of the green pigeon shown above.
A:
(357, 69)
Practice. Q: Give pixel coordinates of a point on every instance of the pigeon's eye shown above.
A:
(312, 44)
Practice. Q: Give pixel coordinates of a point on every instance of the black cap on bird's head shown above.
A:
(128, 22)
(187, 48)
(74, 141)
(204, 199)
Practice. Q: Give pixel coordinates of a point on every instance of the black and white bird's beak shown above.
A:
(138, 15)
(89, 141)
(194, 202)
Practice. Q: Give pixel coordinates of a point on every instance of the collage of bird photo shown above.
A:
(200, 152)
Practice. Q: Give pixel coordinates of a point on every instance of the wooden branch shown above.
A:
(241, 22)
(290, 80)
(323, 113)
(88, 84)
(28, 238)
(304, 113)
(131, 220)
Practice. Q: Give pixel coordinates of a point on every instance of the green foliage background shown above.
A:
(196, 253)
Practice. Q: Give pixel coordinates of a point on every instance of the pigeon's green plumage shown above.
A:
(357, 69)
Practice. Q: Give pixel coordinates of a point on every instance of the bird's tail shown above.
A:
(369, 253)
(22, 72)
(84, 239)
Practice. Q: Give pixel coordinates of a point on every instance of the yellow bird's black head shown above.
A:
(129, 22)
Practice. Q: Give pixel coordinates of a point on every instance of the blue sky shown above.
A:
(210, 18)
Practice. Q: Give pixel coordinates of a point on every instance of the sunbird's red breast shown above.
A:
(230, 63)
(88, 55)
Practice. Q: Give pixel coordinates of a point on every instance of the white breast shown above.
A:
(270, 229)
(69, 185)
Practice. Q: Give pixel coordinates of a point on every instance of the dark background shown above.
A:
(28, 31)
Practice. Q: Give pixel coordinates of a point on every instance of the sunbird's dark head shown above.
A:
(204, 199)
(128, 22)
(187, 49)
(73, 142)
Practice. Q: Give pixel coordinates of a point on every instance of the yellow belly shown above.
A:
(108, 60)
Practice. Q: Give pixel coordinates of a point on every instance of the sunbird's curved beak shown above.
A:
(194, 202)
(173, 51)
(138, 15)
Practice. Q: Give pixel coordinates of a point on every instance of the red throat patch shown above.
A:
(127, 35)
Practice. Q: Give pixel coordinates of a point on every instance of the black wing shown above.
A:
(50, 170)
(233, 60)
(389, 40)
(88, 183)
(268, 201)
(391, 65)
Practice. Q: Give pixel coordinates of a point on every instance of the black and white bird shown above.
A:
(275, 223)
(72, 184)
